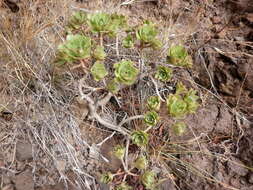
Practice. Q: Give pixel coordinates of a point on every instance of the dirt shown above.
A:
(227, 55)
(223, 63)
(218, 145)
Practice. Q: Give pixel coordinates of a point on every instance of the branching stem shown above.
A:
(93, 112)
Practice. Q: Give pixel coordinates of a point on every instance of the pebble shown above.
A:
(23, 151)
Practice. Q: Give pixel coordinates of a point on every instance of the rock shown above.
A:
(61, 165)
(250, 178)
(8, 187)
(247, 188)
(249, 17)
(224, 121)
(236, 166)
(103, 186)
(23, 151)
(240, 38)
(216, 20)
(107, 151)
(1, 160)
(167, 185)
(24, 181)
(244, 70)
(59, 186)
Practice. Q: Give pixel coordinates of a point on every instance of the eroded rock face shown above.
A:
(242, 5)
(224, 61)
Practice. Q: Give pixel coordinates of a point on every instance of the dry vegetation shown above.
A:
(48, 141)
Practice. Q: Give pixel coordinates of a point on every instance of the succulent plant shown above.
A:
(98, 71)
(76, 20)
(147, 34)
(99, 22)
(154, 103)
(119, 151)
(148, 179)
(178, 55)
(106, 23)
(76, 47)
(163, 74)
(139, 138)
(128, 41)
(106, 178)
(123, 186)
(118, 22)
(141, 163)
(176, 106)
(181, 89)
(191, 100)
(99, 53)
(151, 118)
(113, 86)
(179, 128)
(125, 72)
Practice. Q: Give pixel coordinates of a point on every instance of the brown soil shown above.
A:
(218, 151)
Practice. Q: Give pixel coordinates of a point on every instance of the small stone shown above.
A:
(236, 166)
(23, 151)
(6, 180)
(240, 38)
(167, 185)
(250, 178)
(249, 16)
(61, 165)
(8, 187)
(24, 181)
(216, 20)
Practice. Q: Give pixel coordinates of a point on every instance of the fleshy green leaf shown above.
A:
(76, 20)
(148, 179)
(163, 73)
(151, 118)
(154, 103)
(119, 151)
(113, 86)
(191, 100)
(128, 41)
(98, 71)
(125, 72)
(106, 178)
(123, 186)
(106, 23)
(179, 128)
(141, 163)
(99, 22)
(178, 55)
(76, 47)
(156, 44)
(176, 106)
(99, 53)
(139, 138)
(147, 34)
(118, 22)
(180, 88)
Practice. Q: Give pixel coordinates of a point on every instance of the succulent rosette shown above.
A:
(163, 73)
(98, 71)
(125, 72)
(140, 138)
(76, 47)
